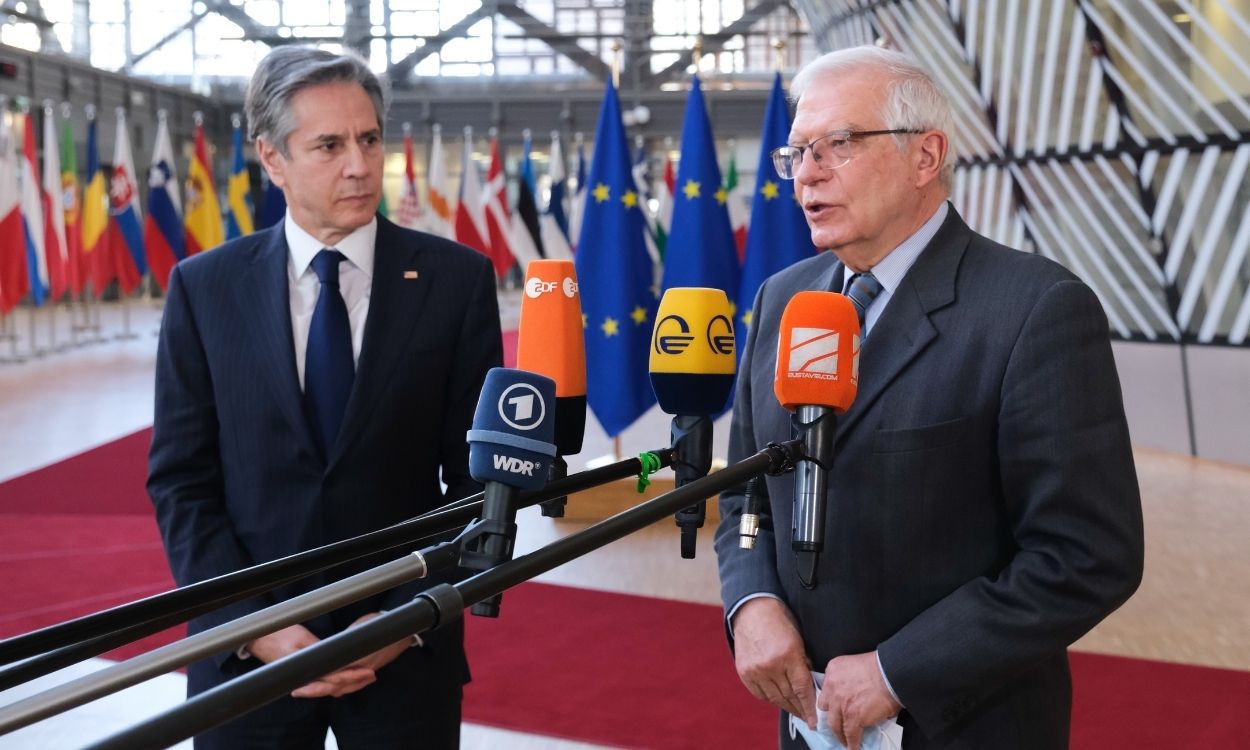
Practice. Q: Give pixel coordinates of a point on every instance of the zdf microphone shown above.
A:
(551, 342)
(510, 449)
(817, 378)
(692, 367)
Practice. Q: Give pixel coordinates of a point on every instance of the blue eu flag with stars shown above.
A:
(778, 236)
(615, 276)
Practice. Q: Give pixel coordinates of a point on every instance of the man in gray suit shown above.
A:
(983, 510)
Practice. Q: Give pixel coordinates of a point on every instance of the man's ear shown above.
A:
(932, 147)
(273, 161)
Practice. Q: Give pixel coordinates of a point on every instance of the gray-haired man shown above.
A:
(314, 382)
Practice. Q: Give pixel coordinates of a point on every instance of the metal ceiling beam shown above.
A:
(564, 44)
(190, 24)
(713, 43)
(399, 72)
(252, 28)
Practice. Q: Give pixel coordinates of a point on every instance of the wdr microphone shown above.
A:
(510, 449)
(692, 372)
(817, 377)
(551, 342)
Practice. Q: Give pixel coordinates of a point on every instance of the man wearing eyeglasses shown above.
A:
(983, 510)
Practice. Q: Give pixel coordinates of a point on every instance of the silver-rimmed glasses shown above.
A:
(831, 151)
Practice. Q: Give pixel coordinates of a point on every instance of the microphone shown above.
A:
(817, 377)
(551, 342)
(510, 449)
(692, 373)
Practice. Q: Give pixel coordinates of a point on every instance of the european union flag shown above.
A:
(778, 235)
(700, 249)
(615, 275)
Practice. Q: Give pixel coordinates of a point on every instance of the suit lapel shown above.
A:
(395, 303)
(904, 329)
(266, 289)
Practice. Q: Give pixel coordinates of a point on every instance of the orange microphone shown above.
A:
(817, 377)
(550, 342)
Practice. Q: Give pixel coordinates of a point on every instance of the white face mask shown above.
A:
(886, 735)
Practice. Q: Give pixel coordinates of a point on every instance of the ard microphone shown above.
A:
(817, 377)
(692, 372)
(510, 449)
(551, 342)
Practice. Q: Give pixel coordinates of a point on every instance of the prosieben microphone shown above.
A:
(692, 372)
(551, 342)
(817, 377)
(510, 449)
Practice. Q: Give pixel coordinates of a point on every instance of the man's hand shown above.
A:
(856, 697)
(287, 641)
(382, 656)
(770, 659)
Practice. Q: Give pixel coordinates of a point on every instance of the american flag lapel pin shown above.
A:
(410, 274)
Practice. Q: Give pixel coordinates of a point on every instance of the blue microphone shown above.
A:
(511, 447)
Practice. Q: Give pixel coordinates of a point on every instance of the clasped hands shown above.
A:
(355, 676)
(772, 663)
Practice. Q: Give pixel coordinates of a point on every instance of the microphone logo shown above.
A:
(672, 343)
(814, 354)
(521, 406)
(721, 341)
(570, 288)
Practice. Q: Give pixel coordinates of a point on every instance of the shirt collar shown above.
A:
(894, 266)
(356, 247)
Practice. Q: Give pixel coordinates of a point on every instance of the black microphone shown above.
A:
(510, 449)
(817, 377)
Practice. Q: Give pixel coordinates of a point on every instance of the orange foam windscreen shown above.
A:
(550, 340)
(818, 352)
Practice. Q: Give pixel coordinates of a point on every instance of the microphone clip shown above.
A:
(814, 427)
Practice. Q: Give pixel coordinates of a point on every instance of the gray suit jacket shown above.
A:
(983, 510)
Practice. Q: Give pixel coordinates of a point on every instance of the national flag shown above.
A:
(554, 222)
(97, 263)
(51, 199)
(32, 214)
(778, 236)
(700, 250)
(642, 183)
(527, 236)
(162, 229)
(498, 219)
(664, 215)
(272, 203)
(238, 187)
(408, 214)
(440, 218)
(577, 205)
(203, 217)
(615, 276)
(71, 201)
(738, 204)
(125, 218)
(470, 215)
(14, 279)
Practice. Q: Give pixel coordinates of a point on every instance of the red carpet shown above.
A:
(604, 668)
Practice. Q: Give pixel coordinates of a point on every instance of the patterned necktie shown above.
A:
(862, 290)
(328, 362)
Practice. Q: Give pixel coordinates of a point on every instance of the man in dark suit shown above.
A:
(983, 509)
(314, 382)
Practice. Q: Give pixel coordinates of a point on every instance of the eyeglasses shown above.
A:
(831, 151)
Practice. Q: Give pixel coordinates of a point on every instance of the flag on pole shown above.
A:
(527, 235)
(642, 183)
(71, 202)
(32, 214)
(51, 200)
(14, 278)
(554, 223)
(408, 214)
(126, 220)
(203, 217)
(162, 229)
(778, 236)
(440, 217)
(470, 216)
(700, 250)
(272, 203)
(97, 265)
(238, 187)
(578, 203)
(737, 202)
(616, 279)
(503, 253)
(664, 215)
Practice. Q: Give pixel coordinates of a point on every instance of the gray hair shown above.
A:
(914, 101)
(285, 72)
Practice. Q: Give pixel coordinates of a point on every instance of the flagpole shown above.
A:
(35, 351)
(96, 299)
(126, 333)
(696, 53)
(779, 54)
(616, 64)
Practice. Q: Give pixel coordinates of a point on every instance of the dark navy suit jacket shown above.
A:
(983, 510)
(234, 471)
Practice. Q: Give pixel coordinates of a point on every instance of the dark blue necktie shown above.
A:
(328, 363)
(862, 290)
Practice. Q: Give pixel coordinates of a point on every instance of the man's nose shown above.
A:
(809, 171)
(355, 164)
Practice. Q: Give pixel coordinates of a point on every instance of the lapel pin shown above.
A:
(410, 274)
